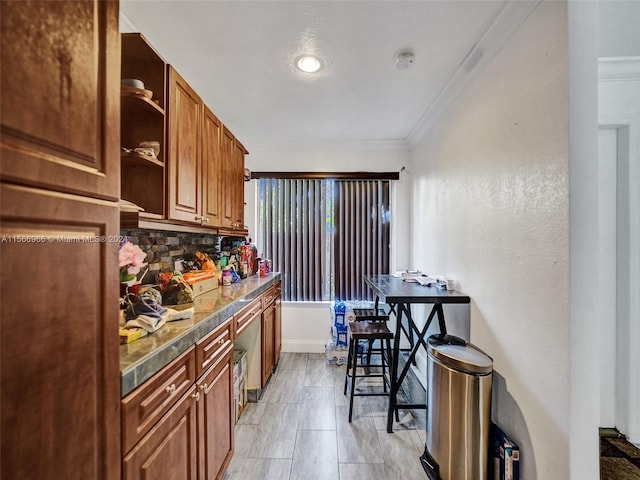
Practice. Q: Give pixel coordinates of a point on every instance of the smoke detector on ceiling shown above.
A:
(404, 60)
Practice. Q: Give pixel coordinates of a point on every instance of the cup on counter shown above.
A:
(263, 267)
(451, 284)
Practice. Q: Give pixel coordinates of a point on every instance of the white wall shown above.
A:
(305, 326)
(619, 112)
(584, 402)
(491, 207)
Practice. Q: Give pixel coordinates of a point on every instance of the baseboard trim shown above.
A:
(303, 346)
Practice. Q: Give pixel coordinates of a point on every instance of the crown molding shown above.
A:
(506, 22)
(615, 69)
(346, 145)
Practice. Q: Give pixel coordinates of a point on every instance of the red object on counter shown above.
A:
(195, 276)
(264, 268)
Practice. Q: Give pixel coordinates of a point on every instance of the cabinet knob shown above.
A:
(205, 219)
(171, 389)
(221, 341)
(196, 396)
(204, 386)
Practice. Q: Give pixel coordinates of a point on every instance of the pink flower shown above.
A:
(131, 255)
(130, 259)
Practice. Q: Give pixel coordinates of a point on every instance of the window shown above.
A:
(324, 234)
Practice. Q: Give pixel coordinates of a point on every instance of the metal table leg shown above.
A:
(396, 380)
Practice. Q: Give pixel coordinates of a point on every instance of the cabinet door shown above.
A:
(211, 170)
(227, 178)
(184, 171)
(169, 450)
(238, 186)
(60, 371)
(216, 418)
(268, 343)
(278, 327)
(60, 96)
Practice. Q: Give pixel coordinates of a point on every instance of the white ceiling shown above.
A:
(238, 55)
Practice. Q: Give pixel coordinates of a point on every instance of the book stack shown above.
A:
(505, 453)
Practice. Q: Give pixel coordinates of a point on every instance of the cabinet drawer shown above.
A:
(142, 408)
(267, 297)
(243, 318)
(213, 346)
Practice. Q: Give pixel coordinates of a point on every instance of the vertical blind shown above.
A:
(361, 236)
(323, 235)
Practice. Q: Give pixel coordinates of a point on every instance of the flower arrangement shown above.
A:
(130, 260)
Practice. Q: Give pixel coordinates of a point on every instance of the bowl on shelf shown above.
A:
(133, 82)
(153, 145)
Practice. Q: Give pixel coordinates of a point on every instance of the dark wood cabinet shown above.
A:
(197, 179)
(60, 97)
(271, 341)
(232, 198)
(169, 451)
(216, 418)
(237, 186)
(227, 191)
(184, 172)
(143, 119)
(184, 413)
(277, 302)
(216, 415)
(268, 342)
(211, 170)
(60, 172)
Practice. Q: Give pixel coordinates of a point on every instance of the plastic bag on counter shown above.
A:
(175, 290)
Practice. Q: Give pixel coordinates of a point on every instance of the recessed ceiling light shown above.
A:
(308, 63)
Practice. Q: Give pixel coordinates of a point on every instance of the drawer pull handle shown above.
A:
(196, 396)
(221, 341)
(171, 389)
(204, 386)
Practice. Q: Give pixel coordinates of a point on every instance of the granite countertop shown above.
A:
(141, 359)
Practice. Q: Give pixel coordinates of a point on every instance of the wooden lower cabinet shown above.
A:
(194, 439)
(216, 419)
(169, 451)
(277, 302)
(271, 341)
(268, 342)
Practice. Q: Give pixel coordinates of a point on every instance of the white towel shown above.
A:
(151, 324)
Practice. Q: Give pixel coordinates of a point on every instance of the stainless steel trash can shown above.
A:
(458, 410)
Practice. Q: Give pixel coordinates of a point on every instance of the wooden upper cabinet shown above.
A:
(143, 119)
(60, 96)
(184, 160)
(211, 170)
(226, 195)
(232, 192)
(238, 185)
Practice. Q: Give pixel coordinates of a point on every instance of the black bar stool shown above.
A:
(369, 330)
(374, 314)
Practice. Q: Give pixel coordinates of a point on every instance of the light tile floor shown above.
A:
(300, 431)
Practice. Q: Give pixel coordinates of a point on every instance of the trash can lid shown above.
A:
(455, 353)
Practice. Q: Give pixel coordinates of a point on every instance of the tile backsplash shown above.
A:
(163, 248)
